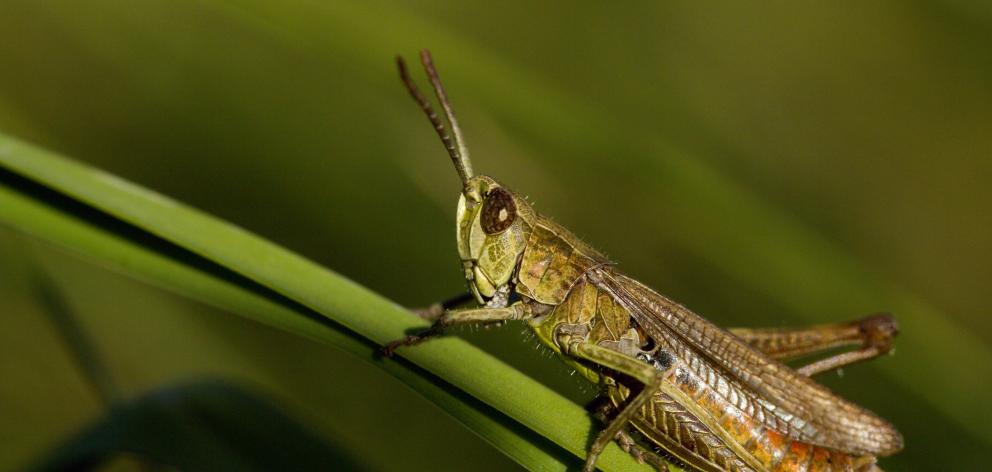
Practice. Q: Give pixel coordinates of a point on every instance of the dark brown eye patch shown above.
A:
(498, 211)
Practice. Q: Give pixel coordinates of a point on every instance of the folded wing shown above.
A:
(837, 423)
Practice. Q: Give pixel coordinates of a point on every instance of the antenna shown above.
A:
(455, 147)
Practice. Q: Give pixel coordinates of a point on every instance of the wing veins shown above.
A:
(846, 426)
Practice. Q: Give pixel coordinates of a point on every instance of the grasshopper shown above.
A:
(708, 398)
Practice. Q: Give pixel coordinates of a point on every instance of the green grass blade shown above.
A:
(143, 260)
(258, 279)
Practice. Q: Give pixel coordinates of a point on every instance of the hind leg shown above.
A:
(870, 337)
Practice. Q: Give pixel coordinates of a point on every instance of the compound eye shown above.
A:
(498, 211)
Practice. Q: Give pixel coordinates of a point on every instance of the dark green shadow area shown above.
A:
(203, 425)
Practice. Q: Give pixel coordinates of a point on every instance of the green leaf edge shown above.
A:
(370, 318)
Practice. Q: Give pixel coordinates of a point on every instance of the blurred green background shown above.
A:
(766, 165)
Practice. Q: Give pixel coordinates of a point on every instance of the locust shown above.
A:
(674, 386)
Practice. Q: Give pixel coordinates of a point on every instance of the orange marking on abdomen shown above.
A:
(797, 457)
(773, 449)
(780, 454)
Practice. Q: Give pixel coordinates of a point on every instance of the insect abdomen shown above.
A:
(671, 427)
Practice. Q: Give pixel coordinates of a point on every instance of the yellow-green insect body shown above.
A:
(507, 248)
(697, 391)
